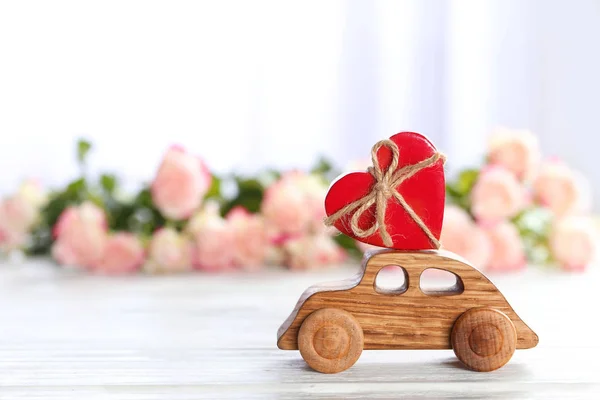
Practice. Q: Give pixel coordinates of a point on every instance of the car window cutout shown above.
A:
(391, 279)
(439, 282)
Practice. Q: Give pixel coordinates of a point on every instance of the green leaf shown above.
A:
(250, 195)
(214, 192)
(268, 177)
(459, 191)
(466, 181)
(452, 194)
(349, 244)
(534, 221)
(108, 182)
(139, 215)
(41, 240)
(534, 225)
(76, 189)
(322, 167)
(74, 193)
(83, 148)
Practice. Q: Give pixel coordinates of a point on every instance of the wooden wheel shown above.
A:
(330, 340)
(484, 339)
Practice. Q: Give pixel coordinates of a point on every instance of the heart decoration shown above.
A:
(399, 202)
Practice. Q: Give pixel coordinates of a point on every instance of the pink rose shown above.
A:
(80, 233)
(516, 150)
(123, 254)
(180, 184)
(309, 252)
(294, 205)
(574, 242)
(561, 189)
(32, 192)
(19, 213)
(284, 207)
(461, 236)
(315, 190)
(12, 240)
(275, 255)
(169, 251)
(508, 253)
(250, 237)
(214, 241)
(497, 195)
(17, 217)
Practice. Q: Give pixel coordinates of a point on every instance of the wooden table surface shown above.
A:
(66, 335)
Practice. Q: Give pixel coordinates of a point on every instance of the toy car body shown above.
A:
(356, 313)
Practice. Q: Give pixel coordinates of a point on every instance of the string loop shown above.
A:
(385, 187)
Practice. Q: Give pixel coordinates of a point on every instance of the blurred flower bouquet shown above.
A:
(183, 220)
(516, 208)
(520, 208)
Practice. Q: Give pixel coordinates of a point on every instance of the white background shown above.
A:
(276, 83)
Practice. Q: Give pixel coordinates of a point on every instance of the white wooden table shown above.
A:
(65, 335)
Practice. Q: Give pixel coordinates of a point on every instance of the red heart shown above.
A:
(424, 192)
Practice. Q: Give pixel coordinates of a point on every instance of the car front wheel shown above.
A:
(330, 340)
(484, 339)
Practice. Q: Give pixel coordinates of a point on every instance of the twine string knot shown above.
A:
(385, 187)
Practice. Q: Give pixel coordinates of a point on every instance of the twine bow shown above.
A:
(386, 186)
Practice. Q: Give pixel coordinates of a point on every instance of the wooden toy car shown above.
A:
(332, 323)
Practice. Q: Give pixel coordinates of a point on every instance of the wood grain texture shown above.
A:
(413, 319)
(330, 340)
(484, 339)
(66, 335)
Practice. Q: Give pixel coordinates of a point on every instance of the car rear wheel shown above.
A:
(484, 339)
(330, 340)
